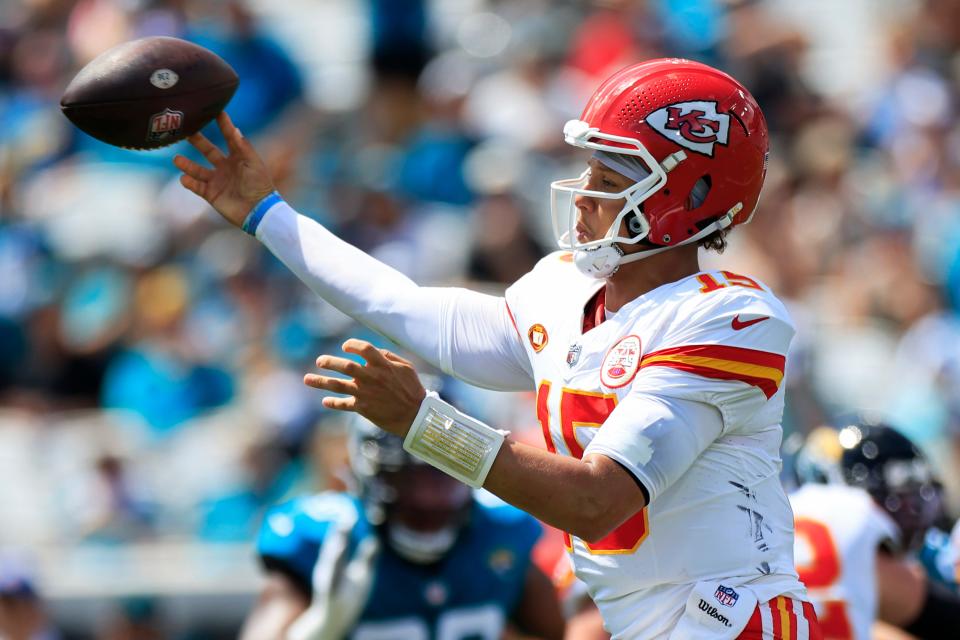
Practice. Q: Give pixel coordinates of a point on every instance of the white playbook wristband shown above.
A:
(453, 442)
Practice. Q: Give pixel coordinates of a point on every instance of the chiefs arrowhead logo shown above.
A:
(693, 125)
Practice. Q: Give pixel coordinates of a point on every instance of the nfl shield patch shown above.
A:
(726, 596)
(573, 355)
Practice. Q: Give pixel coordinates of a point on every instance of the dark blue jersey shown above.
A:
(941, 559)
(470, 593)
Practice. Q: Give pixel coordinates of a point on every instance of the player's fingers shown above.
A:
(233, 136)
(365, 350)
(192, 184)
(207, 148)
(235, 141)
(392, 357)
(340, 404)
(341, 365)
(192, 169)
(226, 124)
(327, 383)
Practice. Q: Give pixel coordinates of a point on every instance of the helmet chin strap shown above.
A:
(599, 262)
(603, 261)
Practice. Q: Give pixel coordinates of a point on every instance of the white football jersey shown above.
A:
(838, 530)
(717, 509)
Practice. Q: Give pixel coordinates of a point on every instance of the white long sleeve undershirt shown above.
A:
(464, 333)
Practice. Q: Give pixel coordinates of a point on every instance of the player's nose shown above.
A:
(584, 203)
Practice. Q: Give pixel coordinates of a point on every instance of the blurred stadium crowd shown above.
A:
(151, 401)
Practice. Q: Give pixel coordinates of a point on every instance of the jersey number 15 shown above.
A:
(589, 409)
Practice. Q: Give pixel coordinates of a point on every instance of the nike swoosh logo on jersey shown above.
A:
(739, 324)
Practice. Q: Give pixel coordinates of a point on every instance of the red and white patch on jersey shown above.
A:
(537, 335)
(621, 363)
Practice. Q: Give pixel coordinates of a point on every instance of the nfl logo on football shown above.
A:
(165, 124)
(726, 596)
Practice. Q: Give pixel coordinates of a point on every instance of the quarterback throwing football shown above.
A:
(658, 384)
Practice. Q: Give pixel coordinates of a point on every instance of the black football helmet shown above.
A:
(814, 458)
(419, 509)
(887, 465)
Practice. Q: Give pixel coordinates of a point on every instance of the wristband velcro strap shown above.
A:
(453, 442)
(252, 221)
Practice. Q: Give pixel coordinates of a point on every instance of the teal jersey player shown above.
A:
(414, 556)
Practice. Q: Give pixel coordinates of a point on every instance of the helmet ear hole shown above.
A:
(699, 192)
(634, 225)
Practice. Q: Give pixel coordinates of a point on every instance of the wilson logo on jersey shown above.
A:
(712, 611)
(621, 363)
(694, 125)
(537, 334)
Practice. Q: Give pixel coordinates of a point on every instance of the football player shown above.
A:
(868, 498)
(411, 555)
(940, 554)
(658, 384)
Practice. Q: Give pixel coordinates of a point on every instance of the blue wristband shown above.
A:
(256, 214)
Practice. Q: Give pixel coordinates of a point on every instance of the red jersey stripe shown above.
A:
(724, 352)
(775, 615)
(768, 386)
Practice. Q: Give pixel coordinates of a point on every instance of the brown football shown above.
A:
(148, 93)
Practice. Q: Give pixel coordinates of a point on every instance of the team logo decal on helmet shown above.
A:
(694, 125)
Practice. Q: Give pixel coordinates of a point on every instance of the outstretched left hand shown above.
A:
(385, 390)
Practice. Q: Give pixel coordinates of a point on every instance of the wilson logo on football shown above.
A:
(165, 124)
(537, 334)
(693, 125)
(621, 363)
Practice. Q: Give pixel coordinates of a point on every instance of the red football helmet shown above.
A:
(688, 126)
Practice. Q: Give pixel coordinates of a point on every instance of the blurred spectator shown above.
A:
(158, 376)
(109, 506)
(23, 615)
(266, 477)
(134, 619)
(400, 37)
(504, 248)
(270, 81)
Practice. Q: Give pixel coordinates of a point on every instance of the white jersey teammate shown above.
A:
(838, 532)
(867, 500)
(659, 383)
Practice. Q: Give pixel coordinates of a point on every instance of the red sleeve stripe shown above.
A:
(724, 352)
(758, 368)
(512, 320)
